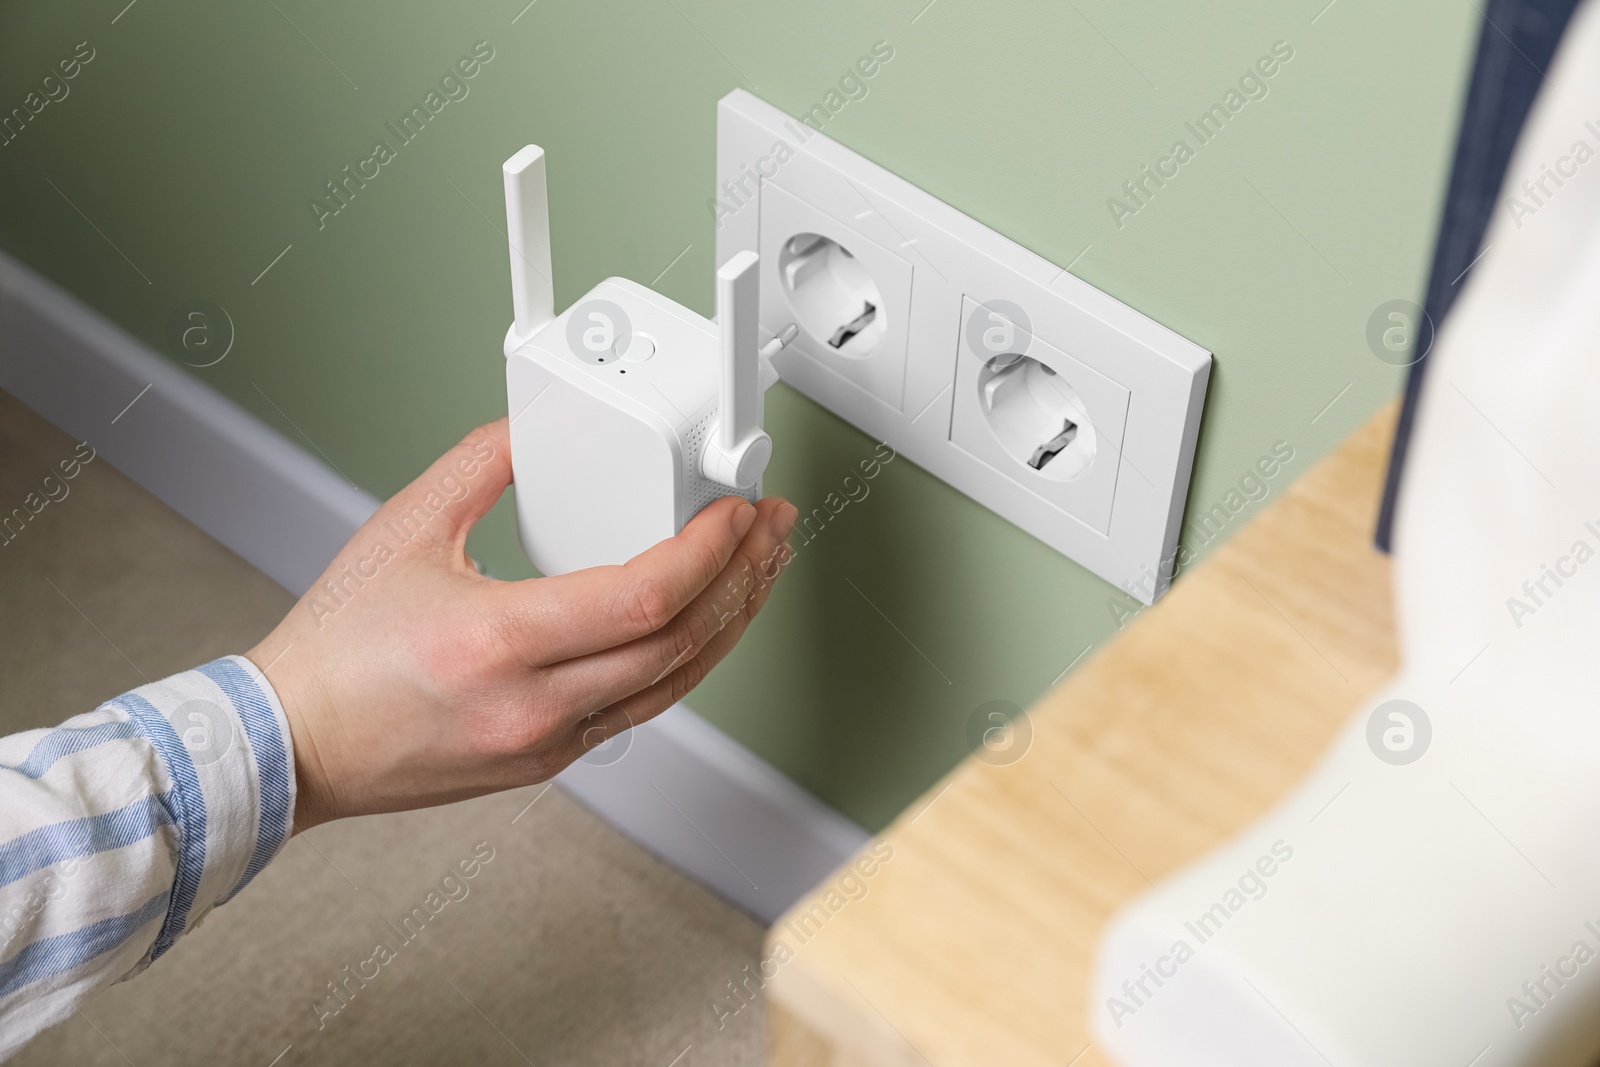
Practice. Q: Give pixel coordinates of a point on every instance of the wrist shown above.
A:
(296, 696)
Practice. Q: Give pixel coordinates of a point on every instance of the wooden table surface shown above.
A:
(974, 943)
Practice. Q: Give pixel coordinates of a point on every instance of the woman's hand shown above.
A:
(409, 679)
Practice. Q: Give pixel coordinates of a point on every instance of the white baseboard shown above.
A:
(207, 458)
(681, 788)
(715, 810)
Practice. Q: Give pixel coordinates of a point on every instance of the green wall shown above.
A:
(196, 137)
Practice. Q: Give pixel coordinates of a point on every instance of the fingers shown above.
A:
(714, 618)
(647, 703)
(569, 615)
(458, 489)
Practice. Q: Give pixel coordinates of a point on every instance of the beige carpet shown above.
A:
(571, 946)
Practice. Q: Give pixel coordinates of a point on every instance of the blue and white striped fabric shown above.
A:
(122, 828)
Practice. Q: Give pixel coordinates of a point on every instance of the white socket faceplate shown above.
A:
(985, 345)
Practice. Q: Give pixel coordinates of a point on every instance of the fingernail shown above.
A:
(783, 521)
(744, 517)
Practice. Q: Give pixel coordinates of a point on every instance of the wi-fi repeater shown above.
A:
(629, 412)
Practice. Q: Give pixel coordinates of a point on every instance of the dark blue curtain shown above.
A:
(1515, 46)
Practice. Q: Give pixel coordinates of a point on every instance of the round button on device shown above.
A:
(636, 348)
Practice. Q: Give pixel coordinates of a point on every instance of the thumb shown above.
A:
(458, 488)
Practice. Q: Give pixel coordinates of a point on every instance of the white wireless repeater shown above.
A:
(629, 412)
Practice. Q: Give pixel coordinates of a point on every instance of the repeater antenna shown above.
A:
(739, 448)
(533, 298)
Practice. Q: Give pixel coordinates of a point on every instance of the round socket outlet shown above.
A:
(1036, 416)
(833, 296)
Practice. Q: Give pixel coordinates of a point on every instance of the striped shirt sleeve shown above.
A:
(122, 828)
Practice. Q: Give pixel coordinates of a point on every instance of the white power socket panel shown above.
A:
(1046, 400)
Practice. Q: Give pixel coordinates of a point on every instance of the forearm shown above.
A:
(122, 828)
